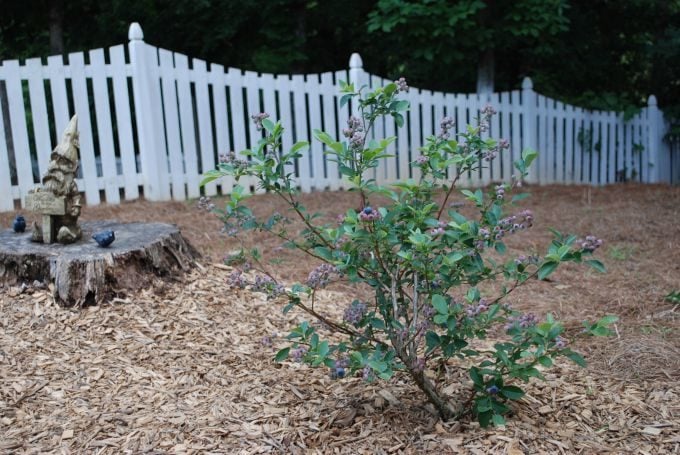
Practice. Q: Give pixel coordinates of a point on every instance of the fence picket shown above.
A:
(107, 152)
(7, 201)
(288, 138)
(300, 116)
(56, 70)
(330, 126)
(315, 147)
(172, 129)
(124, 123)
(495, 132)
(81, 103)
(611, 152)
(17, 117)
(515, 151)
(41, 129)
(188, 129)
(205, 136)
(569, 145)
(222, 128)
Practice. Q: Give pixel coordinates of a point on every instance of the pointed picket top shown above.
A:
(651, 101)
(355, 61)
(135, 32)
(527, 84)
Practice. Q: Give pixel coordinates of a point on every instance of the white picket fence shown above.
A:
(153, 121)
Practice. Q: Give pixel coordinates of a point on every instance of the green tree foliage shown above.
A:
(602, 54)
(458, 35)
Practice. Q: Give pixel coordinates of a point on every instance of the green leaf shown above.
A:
(399, 106)
(576, 358)
(545, 361)
(512, 392)
(439, 303)
(484, 418)
(529, 156)
(607, 320)
(597, 265)
(546, 269)
(299, 146)
(519, 197)
(268, 125)
(498, 420)
(345, 99)
(476, 377)
(282, 355)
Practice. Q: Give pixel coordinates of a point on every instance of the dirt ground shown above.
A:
(181, 367)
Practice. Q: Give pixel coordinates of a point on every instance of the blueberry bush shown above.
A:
(425, 263)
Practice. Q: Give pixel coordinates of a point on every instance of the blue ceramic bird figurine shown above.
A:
(104, 238)
(19, 224)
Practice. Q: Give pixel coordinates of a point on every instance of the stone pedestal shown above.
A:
(84, 273)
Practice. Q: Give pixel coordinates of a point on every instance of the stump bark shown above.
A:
(84, 273)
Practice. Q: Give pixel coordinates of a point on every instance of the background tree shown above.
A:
(599, 54)
(465, 34)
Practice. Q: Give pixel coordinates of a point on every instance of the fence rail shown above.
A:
(153, 121)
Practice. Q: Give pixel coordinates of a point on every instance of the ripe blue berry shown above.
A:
(368, 210)
(340, 372)
(493, 390)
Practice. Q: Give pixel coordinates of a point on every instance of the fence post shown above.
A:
(529, 112)
(148, 116)
(356, 77)
(659, 156)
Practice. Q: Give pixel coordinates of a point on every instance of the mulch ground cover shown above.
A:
(182, 368)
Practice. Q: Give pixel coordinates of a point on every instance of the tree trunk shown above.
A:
(485, 72)
(56, 27)
(445, 410)
(83, 273)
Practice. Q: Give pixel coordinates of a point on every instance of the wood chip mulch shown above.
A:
(183, 369)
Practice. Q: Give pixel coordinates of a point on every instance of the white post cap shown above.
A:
(527, 84)
(135, 32)
(355, 61)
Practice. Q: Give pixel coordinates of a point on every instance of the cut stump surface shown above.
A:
(84, 273)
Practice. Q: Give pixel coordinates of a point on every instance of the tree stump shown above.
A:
(84, 273)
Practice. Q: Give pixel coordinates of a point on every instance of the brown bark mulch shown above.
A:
(182, 368)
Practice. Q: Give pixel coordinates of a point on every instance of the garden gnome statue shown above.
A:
(58, 199)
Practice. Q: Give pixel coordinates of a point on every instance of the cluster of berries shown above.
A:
(402, 86)
(446, 124)
(257, 119)
(266, 284)
(354, 313)
(369, 214)
(205, 203)
(514, 223)
(354, 132)
(321, 276)
(591, 243)
(230, 158)
(475, 309)
(299, 353)
(524, 321)
(439, 230)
